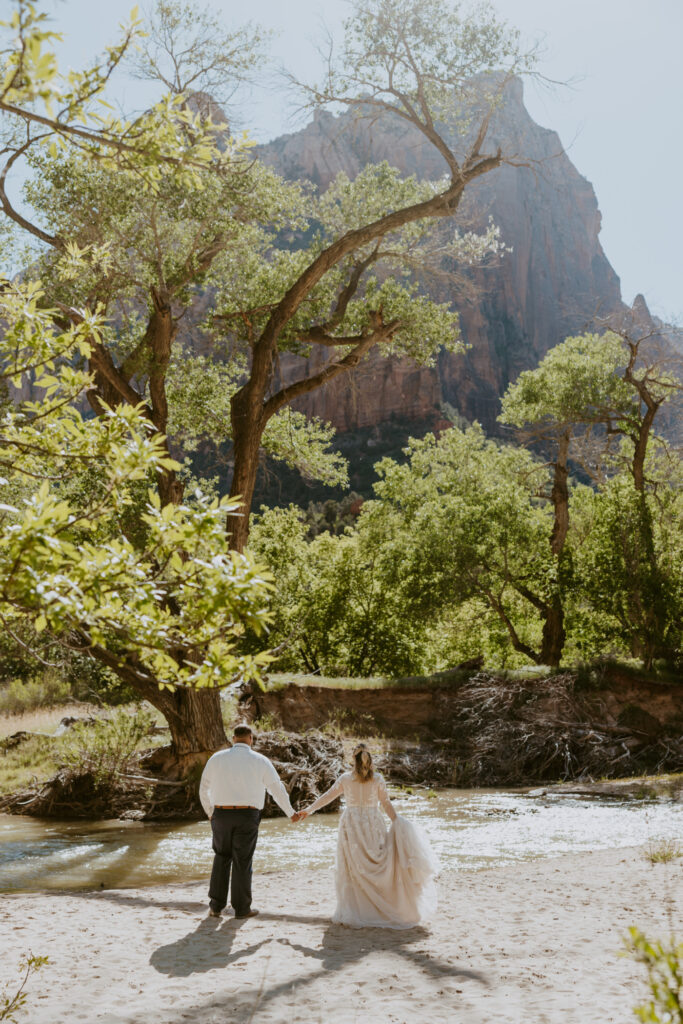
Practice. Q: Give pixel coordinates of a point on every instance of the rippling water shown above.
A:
(468, 828)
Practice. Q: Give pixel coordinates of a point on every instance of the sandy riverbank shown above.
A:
(535, 942)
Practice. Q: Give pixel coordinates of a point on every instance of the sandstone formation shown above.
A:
(555, 282)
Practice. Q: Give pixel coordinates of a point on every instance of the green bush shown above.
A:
(664, 964)
(46, 690)
(108, 746)
(86, 678)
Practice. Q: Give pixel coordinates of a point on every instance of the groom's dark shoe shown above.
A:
(214, 909)
(249, 913)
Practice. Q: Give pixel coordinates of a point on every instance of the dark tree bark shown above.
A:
(194, 717)
(559, 495)
(196, 724)
(554, 634)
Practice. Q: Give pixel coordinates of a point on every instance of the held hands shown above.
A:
(298, 816)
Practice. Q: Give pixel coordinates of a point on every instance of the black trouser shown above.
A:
(234, 841)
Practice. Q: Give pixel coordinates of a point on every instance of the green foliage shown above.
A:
(468, 629)
(453, 539)
(44, 691)
(250, 278)
(465, 524)
(331, 605)
(107, 747)
(71, 110)
(576, 383)
(332, 516)
(11, 1004)
(41, 672)
(199, 393)
(171, 610)
(664, 964)
(629, 567)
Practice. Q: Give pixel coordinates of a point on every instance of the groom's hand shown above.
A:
(297, 816)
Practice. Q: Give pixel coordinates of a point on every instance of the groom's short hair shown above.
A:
(241, 731)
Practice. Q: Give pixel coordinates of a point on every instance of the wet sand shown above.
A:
(537, 942)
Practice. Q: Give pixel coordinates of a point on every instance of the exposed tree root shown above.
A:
(492, 731)
(506, 733)
(308, 765)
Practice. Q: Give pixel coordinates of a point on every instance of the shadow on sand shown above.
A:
(209, 946)
(212, 945)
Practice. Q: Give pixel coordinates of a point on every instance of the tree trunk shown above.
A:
(640, 447)
(246, 455)
(560, 497)
(246, 414)
(194, 716)
(196, 724)
(161, 331)
(554, 634)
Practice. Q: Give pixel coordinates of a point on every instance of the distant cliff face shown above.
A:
(555, 282)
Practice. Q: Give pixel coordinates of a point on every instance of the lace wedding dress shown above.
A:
(384, 878)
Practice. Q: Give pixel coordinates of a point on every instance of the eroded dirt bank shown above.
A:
(490, 730)
(470, 730)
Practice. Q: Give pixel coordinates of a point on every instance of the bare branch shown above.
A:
(382, 332)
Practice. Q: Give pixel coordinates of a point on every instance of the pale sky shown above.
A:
(620, 118)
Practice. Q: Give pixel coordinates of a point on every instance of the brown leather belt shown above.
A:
(235, 807)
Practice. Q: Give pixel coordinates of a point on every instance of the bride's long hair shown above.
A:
(362, 759)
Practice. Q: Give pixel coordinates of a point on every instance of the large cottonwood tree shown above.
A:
(168, 146)
(585, 393)
(163, 605)
(144, 213)
(442, 70)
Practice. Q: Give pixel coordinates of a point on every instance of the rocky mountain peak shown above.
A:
(554, 282)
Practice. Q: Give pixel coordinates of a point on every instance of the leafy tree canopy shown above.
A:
(165, 608)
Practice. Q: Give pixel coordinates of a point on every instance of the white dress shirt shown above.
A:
(239, 777)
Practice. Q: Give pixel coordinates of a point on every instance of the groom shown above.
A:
(233, 792)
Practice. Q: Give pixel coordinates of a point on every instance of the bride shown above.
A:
(384, 878)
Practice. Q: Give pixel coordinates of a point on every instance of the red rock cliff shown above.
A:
(553, 283)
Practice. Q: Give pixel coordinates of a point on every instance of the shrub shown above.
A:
(664, 852)
(108, 746)
(664, 964)
(10, 1004)
(45, 690)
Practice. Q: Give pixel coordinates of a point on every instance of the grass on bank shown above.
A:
(35, 758)
(40, 756)
(598, 675)
(43, 720)
(278, 680)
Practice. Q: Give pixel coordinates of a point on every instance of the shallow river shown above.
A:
(468, 828)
